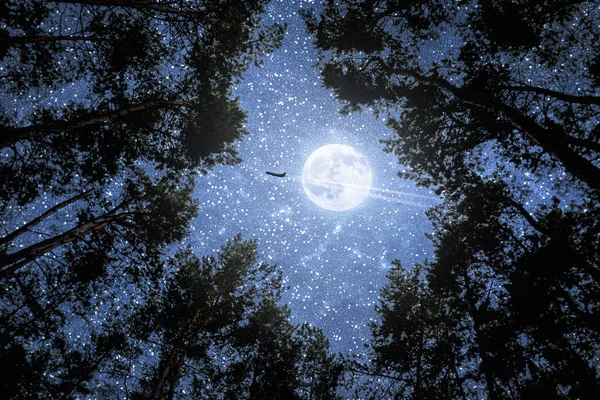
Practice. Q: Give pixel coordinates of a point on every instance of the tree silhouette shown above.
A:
(153, 85)
(508, 97)
(145, 217)
(417, 345)
(214, 326)
(221, 323)
(508, 304)
(524, 91)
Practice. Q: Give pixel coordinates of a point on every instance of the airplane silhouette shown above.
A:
(275, 174)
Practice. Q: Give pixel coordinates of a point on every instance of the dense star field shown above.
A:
(146, 253)
(334, 262)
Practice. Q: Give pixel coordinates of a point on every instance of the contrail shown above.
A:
(384, 194)
(397, 200)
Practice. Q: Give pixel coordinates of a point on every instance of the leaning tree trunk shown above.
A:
(176, 355)
(553, 141)
(12, 262)
(17, 232)
(10, 136)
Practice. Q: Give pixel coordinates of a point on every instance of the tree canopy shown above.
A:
(524, 90)
(214, 329)
(505, 306)
(147, 105)
(495, 313)
(112, 109)
(152, 81)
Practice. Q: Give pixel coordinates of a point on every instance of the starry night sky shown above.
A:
(334, 262)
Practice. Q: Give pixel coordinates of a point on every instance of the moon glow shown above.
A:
(336, 177)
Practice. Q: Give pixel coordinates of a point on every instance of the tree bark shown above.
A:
(179, 346)
(175, 374)
(9, 136)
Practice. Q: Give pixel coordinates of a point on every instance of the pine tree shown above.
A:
(153, 85)
(416, 348)
(201, 327)
(512, 294)
(524, 90)
(146, 216)
(508, 97)
(223, 333)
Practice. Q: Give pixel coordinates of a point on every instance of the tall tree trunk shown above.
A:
(555, 142)
(418, 383)
(480, 339)
(175, 374)
(9, 136)
(12, 262)
(461, 389)
(172, 360)
(17, 232)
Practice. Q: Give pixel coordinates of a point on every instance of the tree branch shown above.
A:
(12, 262)
(144, 5)
(554, 141)
(34, 39)
(10, 136)
(588, 144)
(45, 215)
(589, 100)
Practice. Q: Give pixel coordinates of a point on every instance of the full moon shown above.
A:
(336, 177)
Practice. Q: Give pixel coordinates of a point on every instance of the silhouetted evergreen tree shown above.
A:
(513, 297)
(517, 91)
(68, 314)
(222, 333)
(205, 328)
(519, 81)
(143, 103)
(151, 83)
(143, 218)
(321, 373)
(59, 330)
(153, 97)
(416, 348)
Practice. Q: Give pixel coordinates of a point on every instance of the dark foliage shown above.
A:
(519, 81)
(153, 85)
(205, 328)
(507, 306)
